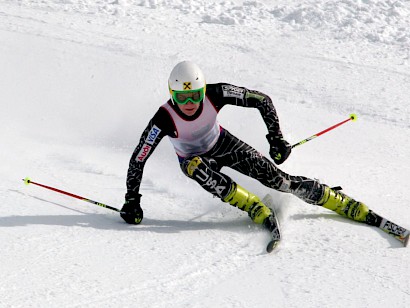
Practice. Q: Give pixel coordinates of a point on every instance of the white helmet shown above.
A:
(186, 78)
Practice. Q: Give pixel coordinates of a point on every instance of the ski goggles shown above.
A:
(193, 96)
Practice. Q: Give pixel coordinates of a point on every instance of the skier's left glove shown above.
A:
(280, 149)
(131, 211)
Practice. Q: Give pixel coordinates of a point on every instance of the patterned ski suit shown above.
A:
(201, 136)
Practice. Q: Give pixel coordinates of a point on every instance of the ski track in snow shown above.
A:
(81, 78)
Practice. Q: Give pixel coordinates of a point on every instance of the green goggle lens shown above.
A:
(183, 97)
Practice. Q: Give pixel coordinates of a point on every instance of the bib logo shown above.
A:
(143, 153)
(152, 135)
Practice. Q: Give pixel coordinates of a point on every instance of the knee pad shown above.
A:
(190, 165)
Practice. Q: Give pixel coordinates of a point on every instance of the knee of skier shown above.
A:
(191, 164)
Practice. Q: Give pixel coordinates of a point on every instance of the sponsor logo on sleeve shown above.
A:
(232, 91)
(142, 155)
(152, 135)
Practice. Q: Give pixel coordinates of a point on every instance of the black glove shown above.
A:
(131, 211)
(279, 148)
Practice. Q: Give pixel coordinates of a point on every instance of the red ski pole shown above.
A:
(352, 117)
(28, 181)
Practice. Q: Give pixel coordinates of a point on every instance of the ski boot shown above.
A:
(248, 202)
(342, 204)
(257, 210)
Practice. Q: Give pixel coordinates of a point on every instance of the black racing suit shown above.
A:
(229, 151)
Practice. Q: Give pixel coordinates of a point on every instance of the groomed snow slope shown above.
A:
(80, 80)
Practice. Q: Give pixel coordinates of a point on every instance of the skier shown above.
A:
(203, 147)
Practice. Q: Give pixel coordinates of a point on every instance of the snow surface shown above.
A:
(80, 79)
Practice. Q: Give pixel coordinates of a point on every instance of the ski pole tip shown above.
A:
(353, 116)
(27, 180)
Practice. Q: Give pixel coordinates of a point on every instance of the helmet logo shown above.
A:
(187, 85)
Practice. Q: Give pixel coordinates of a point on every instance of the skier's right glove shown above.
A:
(131, 211)
(279, 148)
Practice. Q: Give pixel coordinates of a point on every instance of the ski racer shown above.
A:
(203, 147)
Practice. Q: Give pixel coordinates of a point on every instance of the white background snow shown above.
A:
(79, 81)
